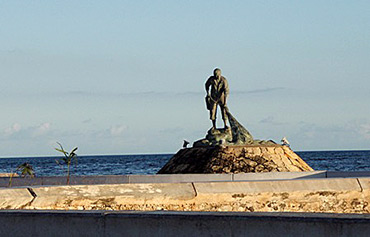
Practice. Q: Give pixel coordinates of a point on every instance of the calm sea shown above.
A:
(150, 164)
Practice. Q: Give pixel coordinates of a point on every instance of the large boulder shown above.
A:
(235, 159)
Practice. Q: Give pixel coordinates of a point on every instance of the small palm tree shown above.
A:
(25, 169)
(67, 159)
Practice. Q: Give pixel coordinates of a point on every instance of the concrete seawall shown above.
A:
(337, 195)
(265, 204)
(177, 178)
(102, 223)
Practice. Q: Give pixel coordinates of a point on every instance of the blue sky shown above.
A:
(123, 77)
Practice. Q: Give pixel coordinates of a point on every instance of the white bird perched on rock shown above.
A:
(285, 142)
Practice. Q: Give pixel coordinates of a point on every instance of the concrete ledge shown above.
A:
(14, 198)
(365, 184)
(347, 174)
(300, 195)
(101, 223)
(278, 186)
(62, 180)
(179, 178)
(176, 178)
(20, 182)
(85, 180)
(279, 175)
(309, 195)
(111, 194)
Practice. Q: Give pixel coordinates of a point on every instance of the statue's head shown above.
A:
(217, 72)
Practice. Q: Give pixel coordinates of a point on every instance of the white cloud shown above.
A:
(117, 130)
(15, 128)
(17, 131)
(353, 134)
(41, 129)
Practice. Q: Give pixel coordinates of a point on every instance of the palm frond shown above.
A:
(26, 169)
(67, 159)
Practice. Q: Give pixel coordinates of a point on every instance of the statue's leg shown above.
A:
(213, 113)
(214, 124)
(224, 114)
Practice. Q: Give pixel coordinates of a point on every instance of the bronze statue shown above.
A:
(218, 96)
(236, 134)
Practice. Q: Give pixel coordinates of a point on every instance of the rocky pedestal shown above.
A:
(233, 150)
(235, 159)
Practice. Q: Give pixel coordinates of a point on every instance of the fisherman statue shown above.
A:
(231, 149)
(217, 96)
(217, 90)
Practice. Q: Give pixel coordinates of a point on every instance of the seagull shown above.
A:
(285, 142)
(185, 145)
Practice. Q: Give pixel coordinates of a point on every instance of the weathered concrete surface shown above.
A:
(116, 179)
(365, 186)
(179, 178)
(160, 178)
(166, 178)
(279, 175)
(201, 178)
(235, 159)
(62, 180)
(323, 195)
(306, 195)
(278, 186)
(346, 174)
(15, 198)
(21, 181)
(365, 183)
(114, 196)
(102, 223)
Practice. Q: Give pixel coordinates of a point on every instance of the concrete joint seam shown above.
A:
(359, 183)
(195, 191)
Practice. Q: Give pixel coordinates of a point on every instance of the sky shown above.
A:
(127, 77)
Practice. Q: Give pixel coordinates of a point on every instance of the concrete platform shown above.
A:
(315, 185)
(177, 178)
(15, 198)
(339, 195)
(110, 194)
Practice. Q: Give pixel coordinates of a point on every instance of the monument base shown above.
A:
(235, 159)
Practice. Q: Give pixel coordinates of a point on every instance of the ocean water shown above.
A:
(150, 164)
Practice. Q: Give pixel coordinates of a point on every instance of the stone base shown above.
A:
(235, 159)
